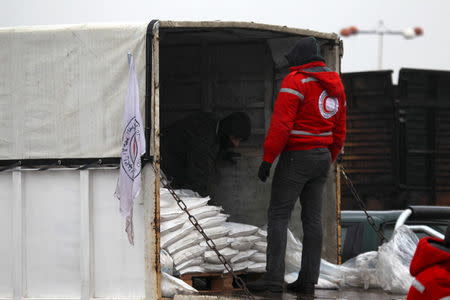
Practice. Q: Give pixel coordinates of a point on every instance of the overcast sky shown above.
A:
(430, 51)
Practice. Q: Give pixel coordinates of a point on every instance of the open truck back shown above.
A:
(62, 93)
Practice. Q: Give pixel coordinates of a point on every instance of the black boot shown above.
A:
(263, 285)
(305, 288)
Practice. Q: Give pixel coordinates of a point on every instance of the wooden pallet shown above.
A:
(216, 281)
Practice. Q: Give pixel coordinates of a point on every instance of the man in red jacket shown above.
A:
(308, 130)
(431, 268)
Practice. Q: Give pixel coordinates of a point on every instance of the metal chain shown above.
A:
(199, 228)
(363, 207)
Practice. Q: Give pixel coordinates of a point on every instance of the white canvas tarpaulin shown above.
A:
(62, 89)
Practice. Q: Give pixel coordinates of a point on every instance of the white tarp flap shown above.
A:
(62, 89)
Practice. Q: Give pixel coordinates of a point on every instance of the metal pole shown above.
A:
(380, 50)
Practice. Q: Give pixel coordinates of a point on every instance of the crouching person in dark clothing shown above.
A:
(190, 147)
(308, 130)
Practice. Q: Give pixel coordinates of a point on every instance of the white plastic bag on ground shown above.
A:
(360, 271)
(239, 229)
(394, 258)
(293, 258)
(166, 262)
(171, 286)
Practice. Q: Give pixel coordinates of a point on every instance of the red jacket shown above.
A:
(431, 267)
(309, 112)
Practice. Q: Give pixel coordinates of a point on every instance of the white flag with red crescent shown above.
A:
(133, 147)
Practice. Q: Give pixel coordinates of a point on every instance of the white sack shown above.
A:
(215, 268)
(256, 268)
(243, 256)
(239, 229)
(193, 269)
(171, 286)
(187, 193)
(262, 233)
(167, 201)
(171, 237)
(171, 225)
(211, 256)
(205, 212)
(197, 261)
(189, 240)
(216, 232)
(178, 222)
(239, 267)
(244, 243)
(261, 247)
(166, 262)
(220, 243)
(187, 254)
(199, 213)
(170, 214)
(215, 221)
(259, 257)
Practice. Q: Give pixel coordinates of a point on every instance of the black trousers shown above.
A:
(298, 174)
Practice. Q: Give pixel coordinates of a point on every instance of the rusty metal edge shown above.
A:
(248, 25)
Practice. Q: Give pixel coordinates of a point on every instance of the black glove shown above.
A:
(340, 158)
(229, 156)
(264, 171)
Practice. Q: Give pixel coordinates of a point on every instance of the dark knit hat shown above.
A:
(306, 50)
(236, 124)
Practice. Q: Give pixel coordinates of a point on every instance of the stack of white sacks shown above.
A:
(244, 246)
(184, 250)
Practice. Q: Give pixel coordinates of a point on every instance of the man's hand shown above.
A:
(264, 171)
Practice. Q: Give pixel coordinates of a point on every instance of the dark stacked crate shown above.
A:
(368, 158)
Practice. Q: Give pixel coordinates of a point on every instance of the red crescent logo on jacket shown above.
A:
(328, 106)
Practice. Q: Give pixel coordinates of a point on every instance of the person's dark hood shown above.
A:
(329, 80)
(236, 124)
(428, 255)
(306, 50)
